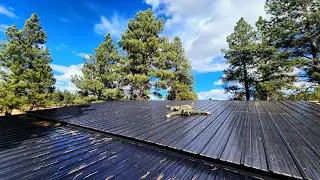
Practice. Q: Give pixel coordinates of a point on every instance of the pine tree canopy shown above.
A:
(273, 67)
(29, 78)
(294, 27)
(239, 77)
(101, 77)
(142, 44)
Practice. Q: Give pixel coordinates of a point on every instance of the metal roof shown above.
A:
(275, 137)
(33, 149)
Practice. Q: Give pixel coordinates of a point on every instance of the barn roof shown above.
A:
(34, 149)
(273, 139)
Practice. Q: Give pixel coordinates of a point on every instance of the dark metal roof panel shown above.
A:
(281, 137)
(32, 150)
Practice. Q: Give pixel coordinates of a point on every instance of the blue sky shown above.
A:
(75, 27)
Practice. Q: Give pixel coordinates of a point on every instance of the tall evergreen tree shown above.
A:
(181, 83)
(101, 73)
(29, 78)
(38, 72)
(142, 45)
(295, 29)
(239, 78)
(273, 67)
(13, 81)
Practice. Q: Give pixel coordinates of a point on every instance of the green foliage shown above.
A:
(13, 78)
(57, 98)
(101, 72)
(142, 45)
(180, 79)
(81, 100)
(273, 67)
(112, 94)
(26, 75)
(9, 98)
(241, 57)
(68, 98)
(150, 63)
(306, 94)
(294, 27)
(39, 74)
(289, 38)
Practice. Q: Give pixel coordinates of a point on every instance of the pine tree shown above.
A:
(57, 98)
(13, 82)
(38, 72)
(273, 67)
(68, 98)
(142, 45)
(29, 79)
(294, 25)
(239, 78)
(181, 84)
(101, 77)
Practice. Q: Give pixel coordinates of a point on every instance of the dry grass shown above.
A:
(16, 111)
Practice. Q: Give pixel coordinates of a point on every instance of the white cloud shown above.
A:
(218, 83)
(7, 11)
(85, 56)
(3, 27)
(63, 80)
(295, 72)
(303, 84)
(209, 65)
(215, 94)
(204, 25)
(115, 26)
(42, 46)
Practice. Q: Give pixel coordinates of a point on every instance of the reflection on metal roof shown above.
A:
(33, 149)
(277, 137)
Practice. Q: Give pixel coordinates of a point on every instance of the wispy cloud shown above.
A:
(215, 94)
(3, 27)
(63, 79)
(218, 83)
(92, 6)
(61, 46)
(64, 19)
(84, 55)
(115, 26)
(7, 11)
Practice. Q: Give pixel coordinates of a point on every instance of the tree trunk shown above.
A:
(316, 67)
(246, 86)
(246, 83)
(7, 113)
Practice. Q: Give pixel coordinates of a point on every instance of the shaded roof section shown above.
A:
(279, 137)
(32, 149)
